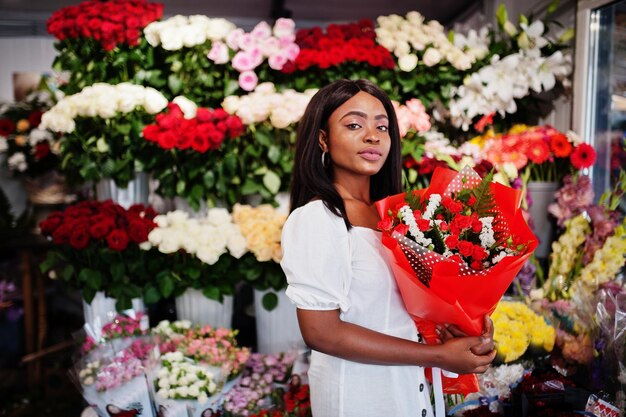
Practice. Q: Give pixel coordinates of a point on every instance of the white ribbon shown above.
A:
(440, 406)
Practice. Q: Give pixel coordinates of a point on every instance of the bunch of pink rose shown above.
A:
(276, 44)
(124, 326)
(123, 368)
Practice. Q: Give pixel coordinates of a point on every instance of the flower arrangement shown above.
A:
(97, 248)
(215, 347)
(102, 41)
(539, 153)
(203, 252)
(517, 328)
(122, 369)
(31, 152)
(180, 380)
(521, 61)
(102, 126)
(125, 326)
(270, 117)
(181, 45)
(341, 51)
(251, 50)
(190, 140)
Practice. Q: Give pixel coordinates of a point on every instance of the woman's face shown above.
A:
(357, 138)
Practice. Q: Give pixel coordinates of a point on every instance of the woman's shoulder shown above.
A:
(315, 214)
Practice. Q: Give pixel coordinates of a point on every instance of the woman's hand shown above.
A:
(450, 331)
(457, 356)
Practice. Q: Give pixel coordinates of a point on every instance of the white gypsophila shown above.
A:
(499, 256)
(408, 218)
(486, 236)
(188, 107)
(38, 135)
(17, 162)
(433, 202)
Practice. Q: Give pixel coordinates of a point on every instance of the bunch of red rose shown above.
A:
(111, 23)
(538, 145)
(99, 222)
(207, 130)
(352, 42)
(296, 403)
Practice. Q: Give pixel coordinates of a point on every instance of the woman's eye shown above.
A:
(353, 126)
(383, 128)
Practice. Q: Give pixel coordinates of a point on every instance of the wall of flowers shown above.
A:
(208, 112)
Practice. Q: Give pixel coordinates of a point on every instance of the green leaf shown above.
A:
(193, 273)
(273, 154)
(180, 187)
(523, 19)
(231, 87)
(92, 278)
(151, 295)
(51, 260)
(271, 181)
(213, 293)
(118, 271)
(174, 83)
(209, 179)
(552, 7)
(485, 202)
(270, 301)
(166, 285)
(250, 187)
(89, 294)
(67, 272)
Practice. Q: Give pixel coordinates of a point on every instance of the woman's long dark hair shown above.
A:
(310, 178)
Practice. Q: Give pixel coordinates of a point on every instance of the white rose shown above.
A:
(194, 392)
(218, 216)
(183, 391)
(408, 62)
(207, 255)
(89, 380)
(177, 217)
(193, 35)
(188, 107)
(281, 118)
(17, 161)
(237, 246)
(203, 398)
(402, 49)
(219, 29)
(155, 237)
(170, 243)
(171, 393)
(432, 57)
(151, 32)
(154, 101)
(231, 104)
(265, 88)
(164, 383)
(36, 135)
(171, 39)
(162, 393)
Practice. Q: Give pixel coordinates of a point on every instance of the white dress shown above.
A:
(328, 268)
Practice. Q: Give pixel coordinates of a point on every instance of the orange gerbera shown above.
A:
(560, 145)
(538, 151)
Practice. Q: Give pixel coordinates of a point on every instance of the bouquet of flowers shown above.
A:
(190, 141)
(249, 52)
(102, 41)
(262, 226)
(181, 45)
(203, 252)
(271, 118)
(456, 246)
(97, 248)
(343, 51)
(102, 126)
(539, 153)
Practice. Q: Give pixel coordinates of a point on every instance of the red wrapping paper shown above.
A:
(451, 298)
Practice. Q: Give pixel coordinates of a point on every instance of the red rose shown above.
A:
(477, 226)
(167, 139)
(35, 118)
(151, 132)
(167, 121)
(471, 200)
(42, 149)
(462, 222)
(476, 265)
(457, 259)
(80, 238)
(50, 224)
(452, 241)
(401, 228)
(385, 224)
(423, 224)
(220, 114)
(101, 228)
(138, 231)
(451, 205)
(466, 248)
(444, 227)
(204, 115)
(215, 138)
(6, 127)
(479, 253)
(200, 143)
(62, 233)
(117, 240)
(235, 126)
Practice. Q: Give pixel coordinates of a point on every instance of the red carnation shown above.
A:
(479, 253)
(462, 222)
(476, 265)
(423, 224)
(471, 200)
(117, 240)
(80, 238)
(583, 156)
(466, 248)
(451, 205)
(452, 241)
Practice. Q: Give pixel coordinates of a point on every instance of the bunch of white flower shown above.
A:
(405, 37)
(265, 103)
(207, 238)
(408, 218)
(181, 380)
(101, 100)
(182, 31)
(87, 375)
(172, 329)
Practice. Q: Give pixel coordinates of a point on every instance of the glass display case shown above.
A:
(599, 113)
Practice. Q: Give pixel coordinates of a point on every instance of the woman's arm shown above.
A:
(325, 332)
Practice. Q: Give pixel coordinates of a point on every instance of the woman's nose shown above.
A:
(371, 135)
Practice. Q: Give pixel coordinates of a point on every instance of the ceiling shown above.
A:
(24, 18)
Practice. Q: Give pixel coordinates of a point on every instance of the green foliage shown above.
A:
(485, 205)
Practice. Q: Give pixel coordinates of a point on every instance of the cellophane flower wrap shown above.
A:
(440, 286)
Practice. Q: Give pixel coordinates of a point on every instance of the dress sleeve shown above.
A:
(316, 259)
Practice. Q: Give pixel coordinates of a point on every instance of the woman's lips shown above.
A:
(370, 154)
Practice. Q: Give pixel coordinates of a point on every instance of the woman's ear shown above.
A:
(323, 141)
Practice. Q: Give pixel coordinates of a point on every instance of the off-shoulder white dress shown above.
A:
(328, 268)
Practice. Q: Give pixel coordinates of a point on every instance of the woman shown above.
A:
(367, 358)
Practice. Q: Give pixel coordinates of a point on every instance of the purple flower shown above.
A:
(572, 199)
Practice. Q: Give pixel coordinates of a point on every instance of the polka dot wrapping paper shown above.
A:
(437, 290)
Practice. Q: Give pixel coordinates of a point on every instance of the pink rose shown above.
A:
(218, 53)
(261, 31)
(246, 42)
(292, 51)
(242, 61)
(233, 38)
(277, 61)
(284, 27)
(248, 80)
